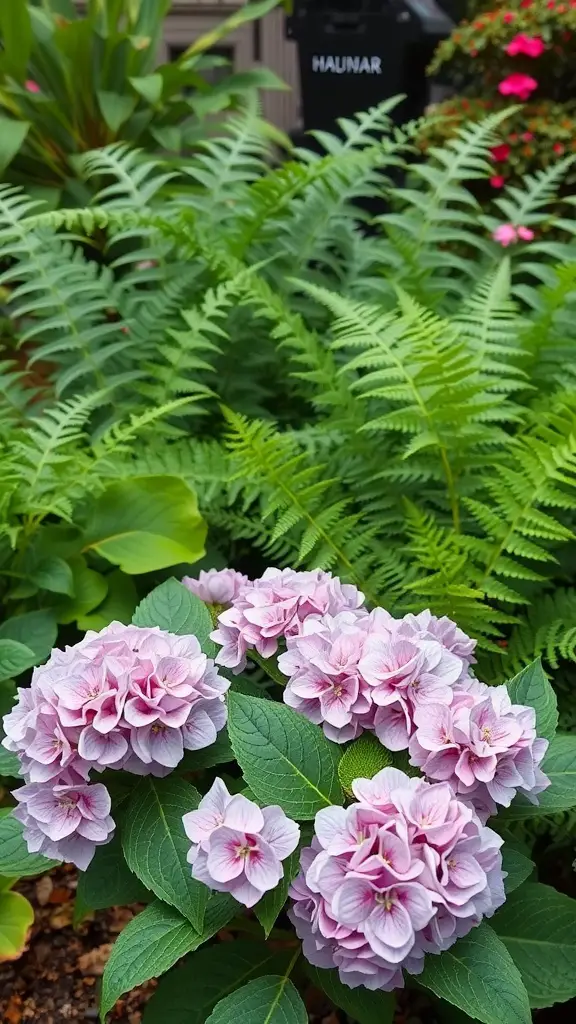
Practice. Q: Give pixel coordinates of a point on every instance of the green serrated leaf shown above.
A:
(153, 942)
(268, 1000)
(211, 974)
(360, 1004)
(220, 752)
(272, 902)
(9, 763)
(538, 927)
(172, 607)
(285, 759)
(363, 759)
(15, 861)
(15, 658)
(479, 976)
(531, 687)
(108, 882)
(156, 847)
(37, 630)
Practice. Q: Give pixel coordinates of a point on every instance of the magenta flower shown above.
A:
(526, 234)
(217, 586)
(31, 86)
(406, 871)
(518, 85)
(505, 234)
(528, 46)
(236, 846)
(65, 821)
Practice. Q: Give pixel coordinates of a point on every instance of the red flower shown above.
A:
(530, 46)
(551, 5)
(498, 181)
(518, 85)
(558, 147)
(510, 16)
(500, 153)
(526, 3)
(527, 137)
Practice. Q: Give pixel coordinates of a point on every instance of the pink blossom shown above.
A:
(236, 846)
(505, 234)
(526, 234)
(66, 821)
(127, 697)
(217, 586)
(483, 745)
(519, 85)
(406, 871)
(497, 181)
(529, 46)
(31, 86)
(500, 152)
(274, 607)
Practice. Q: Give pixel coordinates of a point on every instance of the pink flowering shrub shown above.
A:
(127, 698)
(236, 847)
(405, 871)
(119, 741)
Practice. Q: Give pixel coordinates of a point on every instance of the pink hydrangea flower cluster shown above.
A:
(351, 673)
(483, 745)
(406, 871)
(236, 846)
(216, 586)
(127, 697)
(274, 607)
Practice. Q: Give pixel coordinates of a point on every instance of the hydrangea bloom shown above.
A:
(483, 745)
(236, 846)
(66, 821)
(274, 607)
(405, 871)
(217, 586)
(127, 697)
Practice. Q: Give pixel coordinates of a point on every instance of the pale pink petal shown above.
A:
(263, 868)
(225, 861)
(243, 815)
(279, 831)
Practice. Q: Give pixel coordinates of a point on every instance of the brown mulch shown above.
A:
(58, 977)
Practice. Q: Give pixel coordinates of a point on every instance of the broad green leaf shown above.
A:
(118, 605)
(268, 1000)
(532, 687)
(149, 87)
(146, 523)
(538, 927)
(15, 861)
(12, 135)
(363, 759)
(154, 941)
(518, 866)
(249, 12)
(560, 767)
(360, 1004)
(115, 107)
(7, 698)
(219, 753)
(479, 976)
(108, 882)
(9, 763)
(16, 37)
(156, 846)
(268, 908)
(285, 759)
(16, 918)
(54, 574)
(211, 974)
(15, 658)
(90, 589)
(172, 607)
(38, 630)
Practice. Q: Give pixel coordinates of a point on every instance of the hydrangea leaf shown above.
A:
(479, 976)
(517, 866)
(363, 759)
(268, 1000)
(531, 686)
(156, 846)
(285, 759)
(560, 767)
(172, 607)
(538, 927)
(360, 1004)
(15, 860)
(108, 881)
(153, 941)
